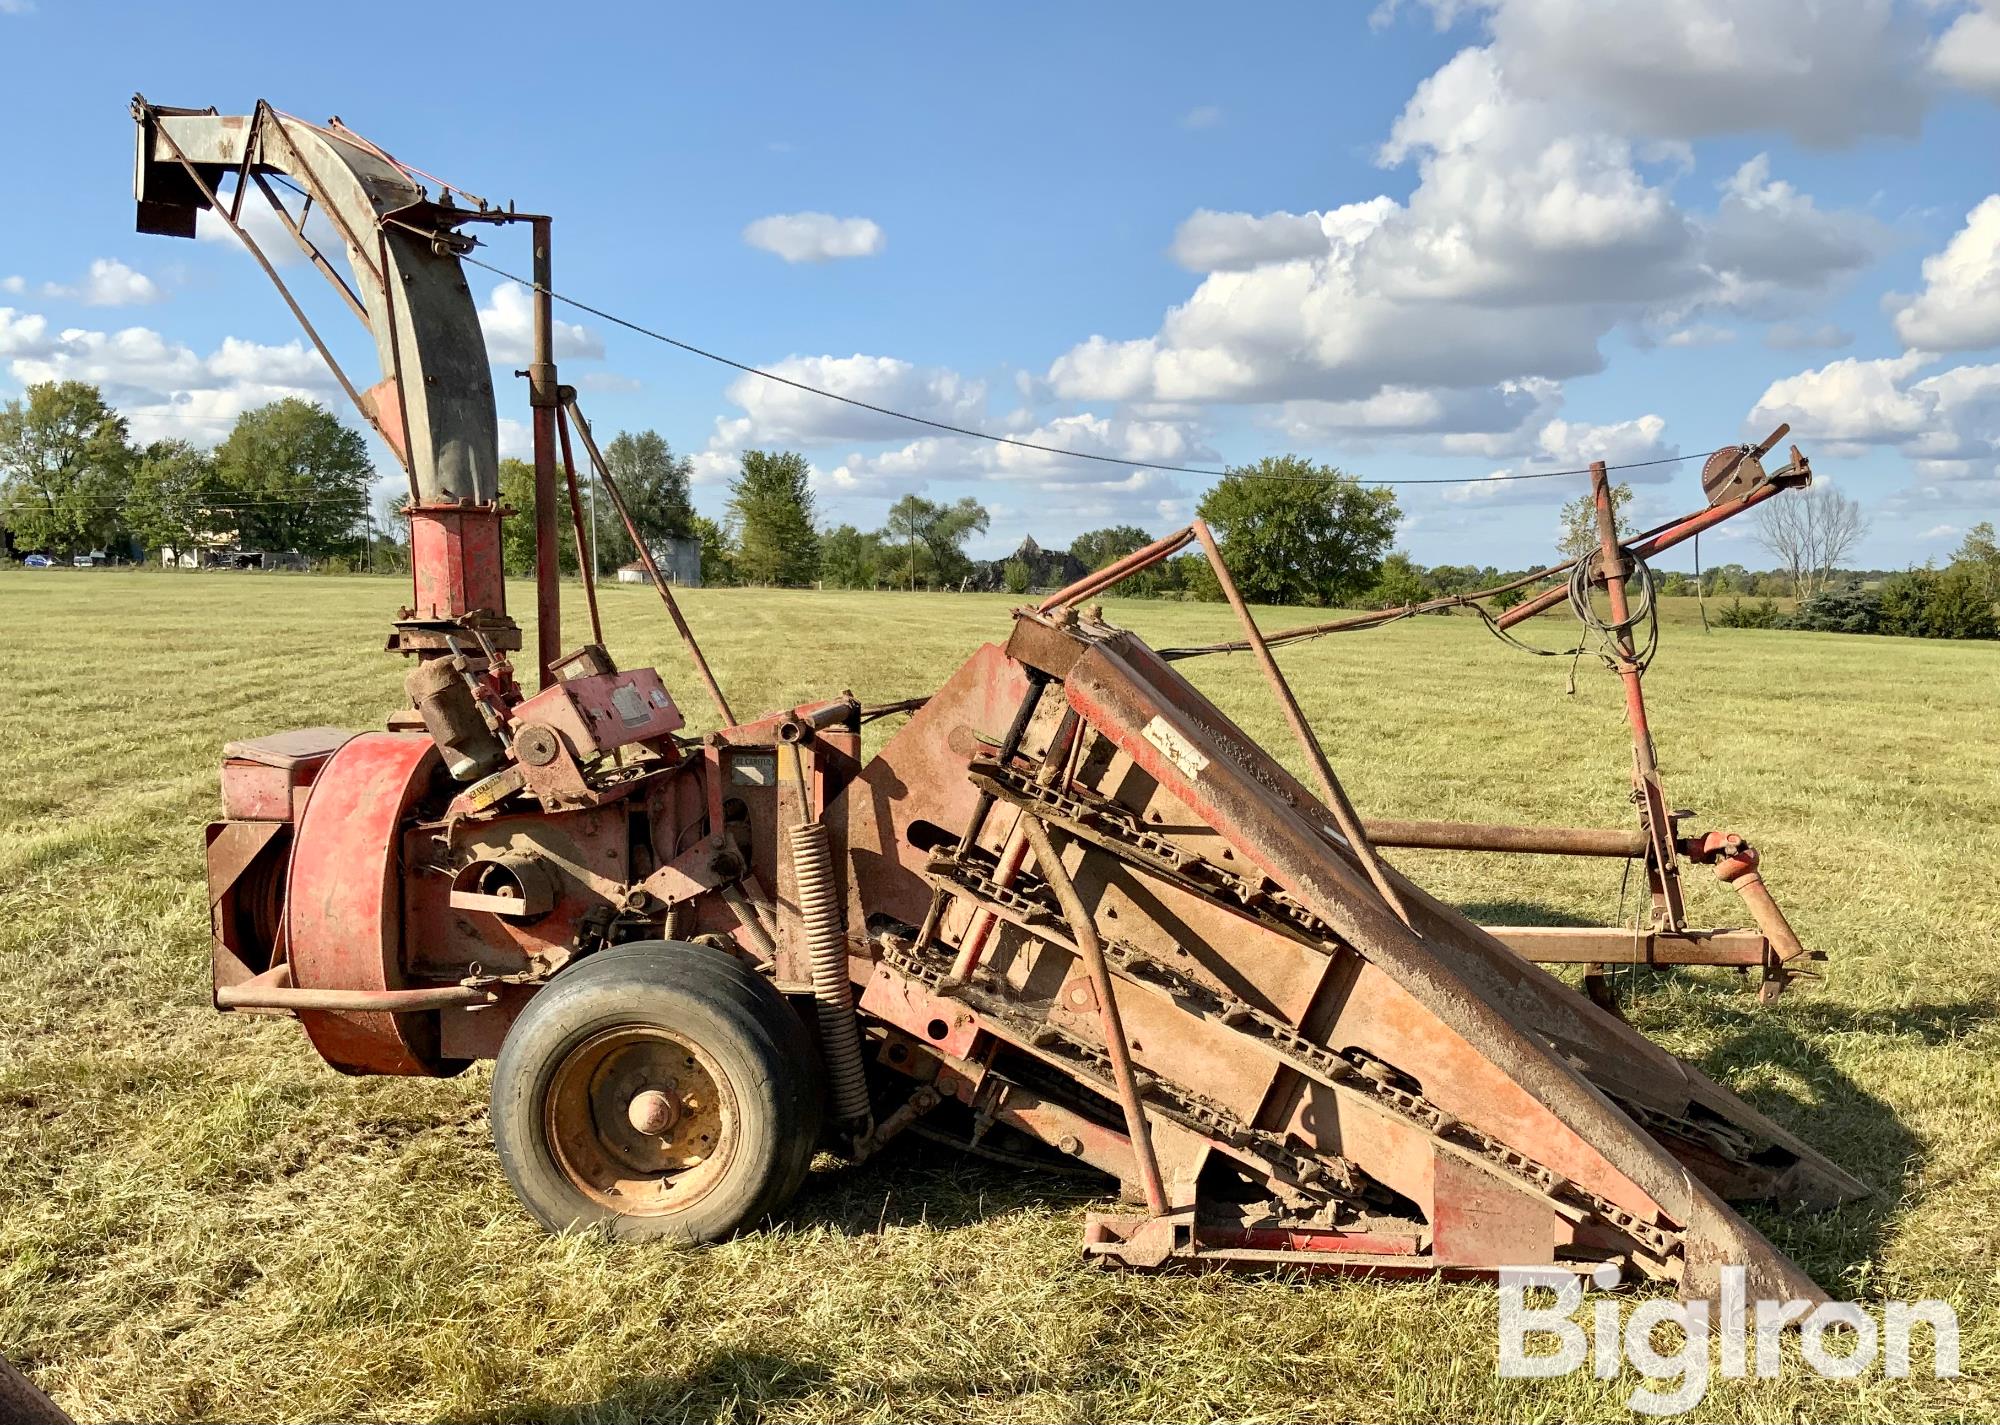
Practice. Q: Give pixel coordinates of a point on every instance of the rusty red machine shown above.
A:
(1069, 903)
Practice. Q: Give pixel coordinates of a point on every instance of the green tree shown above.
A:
(1728, 579)
(389, 535)
(1401, 582)
(1577, 529)
(171, 502)
(1979, 553)
(1297, 533)
(517, 530)
(932, 537)
(64, 464)
(850, 558)
(301, 478)
(771, 501)
(1015, 576)
(718, 552)
(1932, 603)
(1098, 547)
(654, 482)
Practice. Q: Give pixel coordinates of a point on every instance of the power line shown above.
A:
(951, 429)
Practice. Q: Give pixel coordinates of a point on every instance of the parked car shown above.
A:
(37, 561)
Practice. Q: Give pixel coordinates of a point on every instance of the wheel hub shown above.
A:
(654, 1111)
(641, 1119)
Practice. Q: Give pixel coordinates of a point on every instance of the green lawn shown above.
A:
(199, 1220)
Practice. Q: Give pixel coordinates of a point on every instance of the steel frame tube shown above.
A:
(1336, 795)
(1659, 826)
(646, 557)
(1113, 572)
(576, 524)
(1013, 852)
(1091, 950)
(1522, 840)
(256, 996)
(1010, 744)
(543, 399)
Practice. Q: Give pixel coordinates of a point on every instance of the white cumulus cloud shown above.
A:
(508, 320)
(164, 388)
(772, 413)
(108, 283)
(1851, 400)
(946, 458)
(1959, 308)
(1572, 445)
(1234, 242)
(815, 237)
(1826, 74)
(1946, 423)
(1967, 54)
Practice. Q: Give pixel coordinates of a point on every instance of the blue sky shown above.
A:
(1441, 238)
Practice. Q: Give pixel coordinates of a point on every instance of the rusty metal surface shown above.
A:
(455, 565)
(1490, 836)
(1501, 1011)
(1591, 945)
(1203, 980)
(599, 712)
(1105, 998)
(430, 338)
(254, 995)
(344, 905)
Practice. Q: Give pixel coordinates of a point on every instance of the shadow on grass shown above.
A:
(1520, 912)
(1756, 1048)
(913, 1182)
(727, 1385)
(1835, 1113)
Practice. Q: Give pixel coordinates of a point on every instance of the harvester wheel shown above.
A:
(659, 1090)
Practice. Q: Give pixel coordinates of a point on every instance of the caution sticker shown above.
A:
(1179, 751)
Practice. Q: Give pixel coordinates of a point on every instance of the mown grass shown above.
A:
(200, 1221)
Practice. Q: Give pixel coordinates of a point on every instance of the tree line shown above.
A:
(288, 477)
(291, 477)
(1292, 531)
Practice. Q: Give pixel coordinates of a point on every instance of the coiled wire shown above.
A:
(1602, 634)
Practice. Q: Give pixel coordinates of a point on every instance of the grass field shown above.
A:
(200, 1221)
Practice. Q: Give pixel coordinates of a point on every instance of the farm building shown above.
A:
(679, 561)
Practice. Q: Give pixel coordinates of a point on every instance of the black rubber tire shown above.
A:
(728, 1011)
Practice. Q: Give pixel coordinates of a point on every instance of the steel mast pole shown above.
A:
(544, 397)
(1651, 791)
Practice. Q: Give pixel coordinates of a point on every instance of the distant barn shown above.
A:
(679, 561)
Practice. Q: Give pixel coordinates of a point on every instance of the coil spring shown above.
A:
(833, 990)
